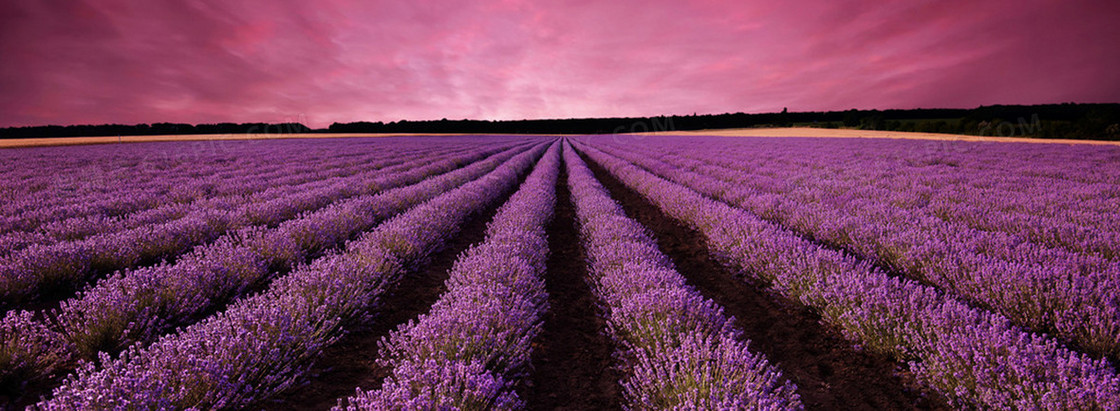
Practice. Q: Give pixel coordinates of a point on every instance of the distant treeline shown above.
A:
(1069, 120)
(155, 129)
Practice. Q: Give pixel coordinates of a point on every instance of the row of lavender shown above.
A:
(1071, 187)
(981, 186)
(67, 182)
(669, 362)
(472, 349)
(680, 350)
(1048, 289)
(263, 344)
(240, 206)
(34, 198)
(139, 306)
(124, 183)
(216, 191)
(986, 188)
(77, 172)
(67, 265)
(974, 357)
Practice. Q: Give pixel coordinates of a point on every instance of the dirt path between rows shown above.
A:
(829, 372)
(572, 356)
(351, 363)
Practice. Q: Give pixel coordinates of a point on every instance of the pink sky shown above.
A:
(317, 62)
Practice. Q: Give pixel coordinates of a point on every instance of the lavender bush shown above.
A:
(473, 348)
(248, 185)
(262, 344)
(681, 351)
(139, 306)
(1073, 295)
(974, 357)
(24, 274)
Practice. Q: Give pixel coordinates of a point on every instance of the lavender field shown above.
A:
(587, 272)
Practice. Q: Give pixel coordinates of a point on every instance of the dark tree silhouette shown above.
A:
(1068, 120)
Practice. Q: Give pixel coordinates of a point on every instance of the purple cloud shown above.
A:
(82, 61)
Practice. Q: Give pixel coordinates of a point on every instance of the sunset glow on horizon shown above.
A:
(94, 62)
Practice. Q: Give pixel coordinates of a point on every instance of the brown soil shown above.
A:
(829, 372)
(20, 397)
(351, 362)
(572, 356)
